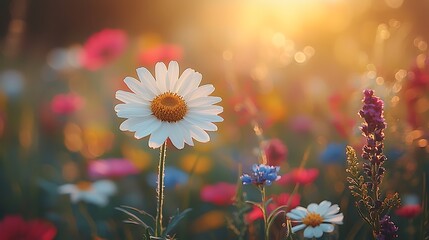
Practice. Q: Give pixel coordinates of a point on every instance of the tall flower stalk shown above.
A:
(370, 203)
(160, 189)
(168, 107)
(261, 176)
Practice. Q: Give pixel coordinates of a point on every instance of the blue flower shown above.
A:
(334, 153)
(173, 177)
(262, 175)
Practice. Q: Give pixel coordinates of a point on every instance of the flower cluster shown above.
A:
(262, 175)
(366, 188)
(388, 230)
(373, 130)
(316, 218)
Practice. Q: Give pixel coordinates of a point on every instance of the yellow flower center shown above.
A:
(84, 185)
(169, 107)
(312, 219)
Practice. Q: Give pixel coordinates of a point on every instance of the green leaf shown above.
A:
(174, 221)
(133, 219)
(255, 204)
(274, 212)
(139, 211)
(277, 228)
(268, 202)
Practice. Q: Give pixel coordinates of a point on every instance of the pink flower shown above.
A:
(102, 48)
(299, 176)
(409, 211)
(221, 194)
(161, 53)
(111, 168)
(301, 124)
(275, 152)
(13, 227)
(279, 200)
(284, 198)
(65, 104)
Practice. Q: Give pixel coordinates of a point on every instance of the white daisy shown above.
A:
(316, 218)
(97, 192)
(168, 106)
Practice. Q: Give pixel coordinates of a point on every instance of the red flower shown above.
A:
(299, 176)
(65, 104)
(161, 53)
(111, 168)
(221, 194)
(102, 48)
(13, 227)
(279, 200)
(409, 211)
(275, 152)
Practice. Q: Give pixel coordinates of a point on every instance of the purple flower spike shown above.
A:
(262, 175)
(373, 130)
(388, 230)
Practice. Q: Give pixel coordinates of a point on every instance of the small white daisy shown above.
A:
(316, 218)
(168, 106)
(97, 192)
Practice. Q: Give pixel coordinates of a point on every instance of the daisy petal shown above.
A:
(160, 75)
(173, 75)
(294, 216)
(208, 126)
(148, 81)
(186, 134)
(131, 123)
(95, 198)
(212, 109)
(298, 227)
(327, 227)
(176, 136)
(147, 127)
(183, 78)
(128, 110)
(309, 232)
(300, 213)
(191, 84)
(334, 209)
(135, 86)
(196, 102)
(323, 207)
(128, 97)
(158, 137)
(337, 219)
(312, 207)
(202, 91)
(105, 187)
(198, 134)
(204, 117)
(317, 231)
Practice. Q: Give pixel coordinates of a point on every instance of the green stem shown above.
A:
(160, 189)
(264, 212)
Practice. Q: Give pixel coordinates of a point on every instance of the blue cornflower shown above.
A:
(262, 175)
(173, 177)
(334, 153)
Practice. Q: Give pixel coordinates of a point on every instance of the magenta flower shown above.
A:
(65, 104)
(299, 176)
(220, 194)
(279, 200)
(161, 53)
(275, 151)
(111, 168)
(14, 227)
(102, 48)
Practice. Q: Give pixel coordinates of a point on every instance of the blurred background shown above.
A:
(290, 72)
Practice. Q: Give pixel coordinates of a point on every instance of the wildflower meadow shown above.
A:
(214, 120)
